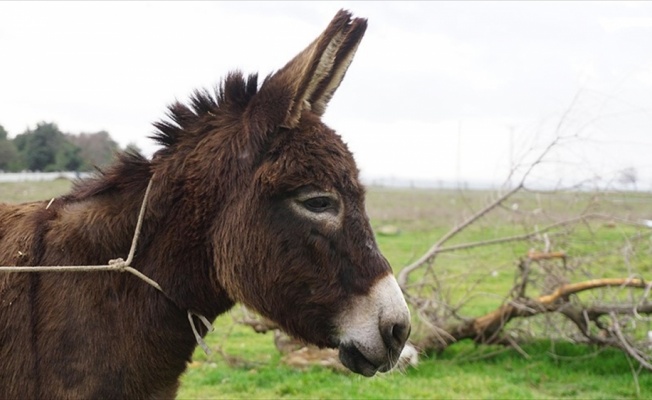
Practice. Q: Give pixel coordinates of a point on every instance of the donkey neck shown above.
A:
(178, 251)
(172, 246)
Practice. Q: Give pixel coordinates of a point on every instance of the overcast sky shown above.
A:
(437, 90)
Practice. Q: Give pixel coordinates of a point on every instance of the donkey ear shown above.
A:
(309, 80)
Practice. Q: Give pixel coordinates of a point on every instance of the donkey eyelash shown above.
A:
(307, 195)
(320, 204)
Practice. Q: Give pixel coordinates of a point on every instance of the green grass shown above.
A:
(463, 371)
(562, 371)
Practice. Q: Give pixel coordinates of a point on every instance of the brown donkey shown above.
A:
(253, 200)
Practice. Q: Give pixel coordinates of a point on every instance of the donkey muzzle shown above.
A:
(374, 329)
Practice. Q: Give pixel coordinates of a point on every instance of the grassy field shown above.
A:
(245, 364)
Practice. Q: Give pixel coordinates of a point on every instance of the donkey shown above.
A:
(253, 200)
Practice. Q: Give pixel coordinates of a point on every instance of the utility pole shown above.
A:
(458, 167)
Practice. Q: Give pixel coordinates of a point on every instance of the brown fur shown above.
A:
(217, 230)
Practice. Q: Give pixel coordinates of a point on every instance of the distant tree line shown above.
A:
(47, 149)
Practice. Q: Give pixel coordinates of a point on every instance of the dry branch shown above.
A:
(258, 323)
(432, 252)
(438, 247)
(487, 328)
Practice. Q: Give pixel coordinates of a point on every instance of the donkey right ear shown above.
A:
(309, 80)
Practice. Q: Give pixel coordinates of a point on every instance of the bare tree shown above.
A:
(584, 259)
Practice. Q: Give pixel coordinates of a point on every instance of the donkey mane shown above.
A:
(231, 97)
(127, 174)
(184, 123)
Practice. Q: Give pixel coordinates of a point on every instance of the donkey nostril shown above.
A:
(401, 332)
(396, 335)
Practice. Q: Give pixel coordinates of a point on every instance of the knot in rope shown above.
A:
(119, 263)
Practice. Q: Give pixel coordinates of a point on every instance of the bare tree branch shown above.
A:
(486, 329)
(432, 252)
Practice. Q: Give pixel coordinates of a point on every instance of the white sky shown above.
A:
(437, 91)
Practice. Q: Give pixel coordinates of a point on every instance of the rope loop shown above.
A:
(198, 337)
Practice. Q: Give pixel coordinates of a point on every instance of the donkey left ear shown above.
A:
(309, 80)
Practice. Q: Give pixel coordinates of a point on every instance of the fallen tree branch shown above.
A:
(632, 351)
(258, 323)
(487, 328)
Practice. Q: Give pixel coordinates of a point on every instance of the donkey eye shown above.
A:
(319, 204)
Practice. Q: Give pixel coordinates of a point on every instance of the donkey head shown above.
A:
(294, 242)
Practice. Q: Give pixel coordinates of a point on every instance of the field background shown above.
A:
(245, 364)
